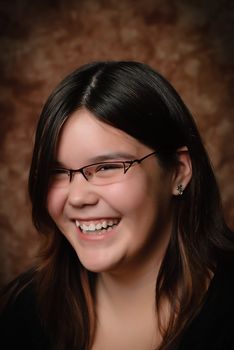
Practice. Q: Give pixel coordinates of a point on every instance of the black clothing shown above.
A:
(213, 328)
(20, 327)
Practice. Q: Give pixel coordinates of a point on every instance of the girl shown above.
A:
(136, 253)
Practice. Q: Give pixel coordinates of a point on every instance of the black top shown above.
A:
(213, 328)
(20, 327)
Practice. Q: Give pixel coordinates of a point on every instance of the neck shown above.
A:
(126, 306)
(125, 303)
(128, 286)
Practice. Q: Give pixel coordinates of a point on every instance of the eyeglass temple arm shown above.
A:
(148, 155)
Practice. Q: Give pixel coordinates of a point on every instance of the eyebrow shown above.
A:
(111, 156)
(102, 158)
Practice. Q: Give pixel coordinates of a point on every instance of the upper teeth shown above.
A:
(98, 226)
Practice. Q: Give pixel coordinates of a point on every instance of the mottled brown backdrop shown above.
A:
(190, 42)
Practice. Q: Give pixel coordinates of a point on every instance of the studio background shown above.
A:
(190, 42)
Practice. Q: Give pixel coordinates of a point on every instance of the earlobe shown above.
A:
(183, 172)
(180, 189)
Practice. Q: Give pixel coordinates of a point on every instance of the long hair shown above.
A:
(132, 97)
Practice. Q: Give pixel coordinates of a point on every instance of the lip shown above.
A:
(93, 219)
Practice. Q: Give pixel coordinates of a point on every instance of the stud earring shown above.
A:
(180, 189)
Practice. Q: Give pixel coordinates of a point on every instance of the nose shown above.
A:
(81, 192)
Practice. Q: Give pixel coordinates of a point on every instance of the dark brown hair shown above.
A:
(135, 98)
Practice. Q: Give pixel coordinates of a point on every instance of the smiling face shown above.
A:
(112, 226)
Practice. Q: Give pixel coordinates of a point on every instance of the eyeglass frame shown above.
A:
(72, 172)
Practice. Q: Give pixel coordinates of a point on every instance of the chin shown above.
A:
(97, 266)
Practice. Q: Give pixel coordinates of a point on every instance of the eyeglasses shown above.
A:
(100, 174)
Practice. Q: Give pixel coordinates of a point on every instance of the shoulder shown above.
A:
(213, 328)
(20, 325)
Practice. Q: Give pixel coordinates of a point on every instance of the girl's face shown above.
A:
(112, 226)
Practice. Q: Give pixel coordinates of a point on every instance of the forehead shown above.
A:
(85, 137)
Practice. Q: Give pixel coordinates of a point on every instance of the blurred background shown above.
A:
(189, 41)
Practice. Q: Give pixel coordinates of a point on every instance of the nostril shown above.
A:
(79, 196)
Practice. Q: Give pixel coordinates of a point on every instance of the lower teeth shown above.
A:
(108, 229)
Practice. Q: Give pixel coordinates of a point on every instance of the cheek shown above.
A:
(130, 196)
(55, 202)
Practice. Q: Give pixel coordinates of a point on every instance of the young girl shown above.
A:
(136, 254)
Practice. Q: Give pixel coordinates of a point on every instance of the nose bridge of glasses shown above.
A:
(73, 172)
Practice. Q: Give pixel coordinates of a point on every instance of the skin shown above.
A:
(127, 258)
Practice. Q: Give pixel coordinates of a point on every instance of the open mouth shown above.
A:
(97, 227)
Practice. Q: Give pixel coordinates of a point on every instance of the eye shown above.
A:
(57, 173)
(108, 167)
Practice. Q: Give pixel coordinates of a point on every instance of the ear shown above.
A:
(183, 172)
